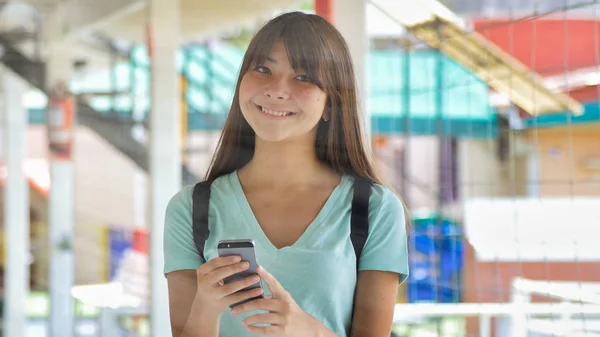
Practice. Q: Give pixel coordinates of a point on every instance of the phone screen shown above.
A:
(245, 249)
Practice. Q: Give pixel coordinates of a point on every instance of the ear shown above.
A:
(327, 111)
(327, 114)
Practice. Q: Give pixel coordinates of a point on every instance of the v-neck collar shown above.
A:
(261, 237)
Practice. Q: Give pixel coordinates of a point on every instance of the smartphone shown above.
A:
(245, 249)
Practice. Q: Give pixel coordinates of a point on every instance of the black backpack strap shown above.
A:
(359, 220)
(200, 204)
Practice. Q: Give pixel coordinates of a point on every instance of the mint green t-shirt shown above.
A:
(319, 270)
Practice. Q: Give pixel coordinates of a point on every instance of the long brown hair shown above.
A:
(316, 47)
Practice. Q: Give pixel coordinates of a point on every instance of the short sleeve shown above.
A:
(386, 246)
(178, 245)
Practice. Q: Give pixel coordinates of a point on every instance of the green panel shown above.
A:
(464, 95)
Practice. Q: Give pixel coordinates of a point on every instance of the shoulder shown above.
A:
(384, 200)
(386, 212)
(386, 245)
(386, 208)
(182, 200)
(178, 242)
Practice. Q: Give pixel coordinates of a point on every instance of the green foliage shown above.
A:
(307, 5)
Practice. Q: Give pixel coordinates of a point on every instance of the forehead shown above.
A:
(278, 54)
(292, 51)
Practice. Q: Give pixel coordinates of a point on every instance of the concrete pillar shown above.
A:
(165, 145)
(61, 197)
(16, 207)
(351, 20)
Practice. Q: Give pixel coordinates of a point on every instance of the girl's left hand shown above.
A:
(285, 317)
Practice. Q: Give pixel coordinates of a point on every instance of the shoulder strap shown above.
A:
(359, 220)
(200, 204)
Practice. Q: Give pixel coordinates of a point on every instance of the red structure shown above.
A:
(548, 46)
(324, 8)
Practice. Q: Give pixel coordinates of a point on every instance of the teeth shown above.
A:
(275, 113)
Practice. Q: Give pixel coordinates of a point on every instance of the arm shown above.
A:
(376, 293)
(187, 320)
(181, 262)
(383, 266)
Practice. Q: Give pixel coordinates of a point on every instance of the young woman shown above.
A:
(283, 176)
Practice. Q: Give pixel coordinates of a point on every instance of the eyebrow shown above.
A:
(270, 59)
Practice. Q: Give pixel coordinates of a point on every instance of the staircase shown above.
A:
(116, 131)
(441, 29)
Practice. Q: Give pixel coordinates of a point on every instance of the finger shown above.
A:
(270, 305)
(274, 285)
(216, 263)
(272, 330)
(236, 286)
(223, 272)
(269, 318)
(242, 296)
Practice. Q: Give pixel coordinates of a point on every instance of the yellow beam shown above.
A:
(437, 26)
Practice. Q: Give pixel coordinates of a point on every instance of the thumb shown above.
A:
(276, 288)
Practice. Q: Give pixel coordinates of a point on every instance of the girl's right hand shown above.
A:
(213, 294)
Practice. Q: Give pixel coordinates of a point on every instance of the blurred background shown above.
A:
(482, 114)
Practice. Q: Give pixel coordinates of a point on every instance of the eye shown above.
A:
(262, 69)
(303, 78)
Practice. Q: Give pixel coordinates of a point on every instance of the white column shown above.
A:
(351, 20)
(16, 207)
(165, 140)
(61, 198)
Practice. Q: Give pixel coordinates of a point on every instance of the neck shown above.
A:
(290, 163)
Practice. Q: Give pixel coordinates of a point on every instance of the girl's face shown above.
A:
(278, 102)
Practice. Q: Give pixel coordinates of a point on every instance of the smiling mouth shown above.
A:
(274, 112)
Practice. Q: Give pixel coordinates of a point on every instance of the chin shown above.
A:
(271, 136)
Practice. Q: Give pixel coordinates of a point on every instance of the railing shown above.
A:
(567, 318)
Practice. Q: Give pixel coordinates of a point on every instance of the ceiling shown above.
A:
(127, 19)
(201, 19)
(97, 28)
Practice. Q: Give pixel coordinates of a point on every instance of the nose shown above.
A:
(278, 89)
